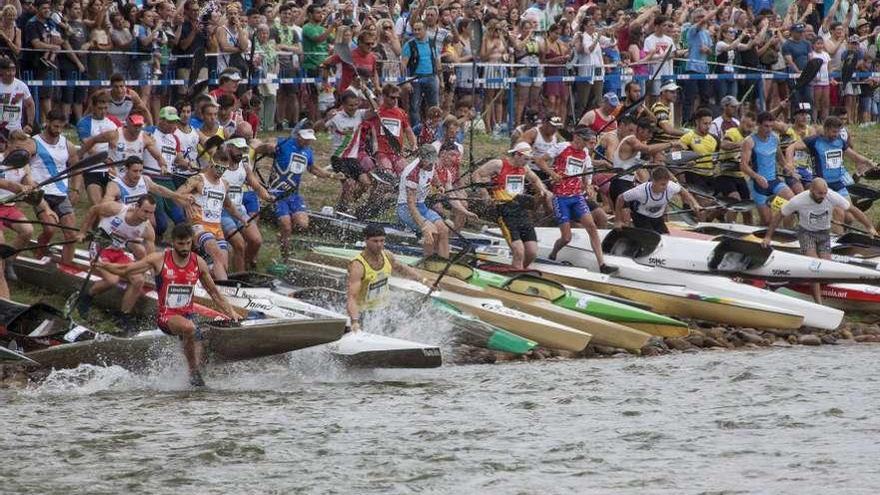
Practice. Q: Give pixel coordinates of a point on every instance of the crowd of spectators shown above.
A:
(435, 44)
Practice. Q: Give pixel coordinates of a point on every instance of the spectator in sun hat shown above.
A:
(229, 79)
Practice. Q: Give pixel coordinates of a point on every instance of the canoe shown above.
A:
(730, 256)
(545, 332)
(461, 279)
(367, 350)
(848, 297)
(468, 329)
(814, 315)
(668, 299)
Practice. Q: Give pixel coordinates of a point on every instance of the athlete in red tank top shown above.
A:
(177, 271)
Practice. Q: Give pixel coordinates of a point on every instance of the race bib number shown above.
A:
(235, 195)
(214, 205)
(574, 166)
(801, 157)
(515, 184)
(377, 289)
(178, 296)
(817, 220)
(834, 159)
(11, 113)
(393, 125)
(298, 163)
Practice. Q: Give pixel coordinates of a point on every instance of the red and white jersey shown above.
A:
(414, 177)
(176, 285)
(448, 168)
(571, 161)
(395, 121)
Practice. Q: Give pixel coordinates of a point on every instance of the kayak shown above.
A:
(848, 297)
(673, 300)
(814, 315)
(731, 256)
(45, 337)
(545, 332)
(532, 285)
(469, 330)
(466, 281)
(367, 350)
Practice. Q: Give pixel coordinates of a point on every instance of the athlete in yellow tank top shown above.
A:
(369, 275)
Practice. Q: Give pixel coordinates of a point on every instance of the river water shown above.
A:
(799, 420)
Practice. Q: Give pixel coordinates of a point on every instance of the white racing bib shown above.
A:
(834, 159)
(178, 296)
(515, 184)
(298, 163)
(215, 206)
(574, 166)
(393, 125)
(235, 195)
(377, 289)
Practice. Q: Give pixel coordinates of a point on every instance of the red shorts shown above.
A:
(11, 212)
(116, 255)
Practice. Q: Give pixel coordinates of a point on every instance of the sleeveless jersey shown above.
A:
(543, 146)
(131, 194)
(49, 161)
(125, 148)
(764, 155)
(12, 175)
(509, 183)
(647, 203)
(120, 231)
(827, 156)
(189, 146)
(89, 126)
(571, 161)
(599, 123)
(169, 147)
(176, 284)
(211, 201)
(621, 164)
(121, 109)
(374, 285)
(802, 158)
(236, 179)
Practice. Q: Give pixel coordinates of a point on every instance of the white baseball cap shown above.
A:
(670, 86)
(522, 148)
(307, 134)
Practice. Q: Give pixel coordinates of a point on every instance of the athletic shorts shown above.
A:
(290, 205)
(9, 212)
(649, 223)
(350, 167)
(99, 178)
(761, 196)
(839, 187)
(229, 224)
(569, 208)
(806, 177)
(428, 214)
(59, 204)
(515, 224)
(728, 185)
(819, 241)
(116, 255)
(618, 187)
(162, 323)
(706, 182)
(207, 232)
(250, 202)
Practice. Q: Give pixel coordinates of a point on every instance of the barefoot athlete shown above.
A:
(178, 270)
(368, 275)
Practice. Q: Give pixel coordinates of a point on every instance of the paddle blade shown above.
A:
(872, 174)
(17, 159)
(676, 158)
(848, 68)
(6, 251)
(811, 70)
(343, 51)
(198, 63)
(90, 161)
(213, 142)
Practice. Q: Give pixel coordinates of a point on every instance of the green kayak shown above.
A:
(469, 330)
(529, 287)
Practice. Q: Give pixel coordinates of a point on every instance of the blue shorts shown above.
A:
(839, 187)
(806, 177)
(290, 205)
(426, 213)
(229, 224)
(251, 202)
(569, 208)
(762, 196)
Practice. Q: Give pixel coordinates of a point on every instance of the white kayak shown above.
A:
(367, 350)
(729, 256)
(814, 315)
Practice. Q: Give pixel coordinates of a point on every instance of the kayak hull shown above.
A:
(366, 350)
(849, 297)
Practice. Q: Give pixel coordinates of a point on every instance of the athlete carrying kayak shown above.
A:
(570, 184)
(368, 275)
(814, 208)
(177, 271)
(508, 178)
(647, 202)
